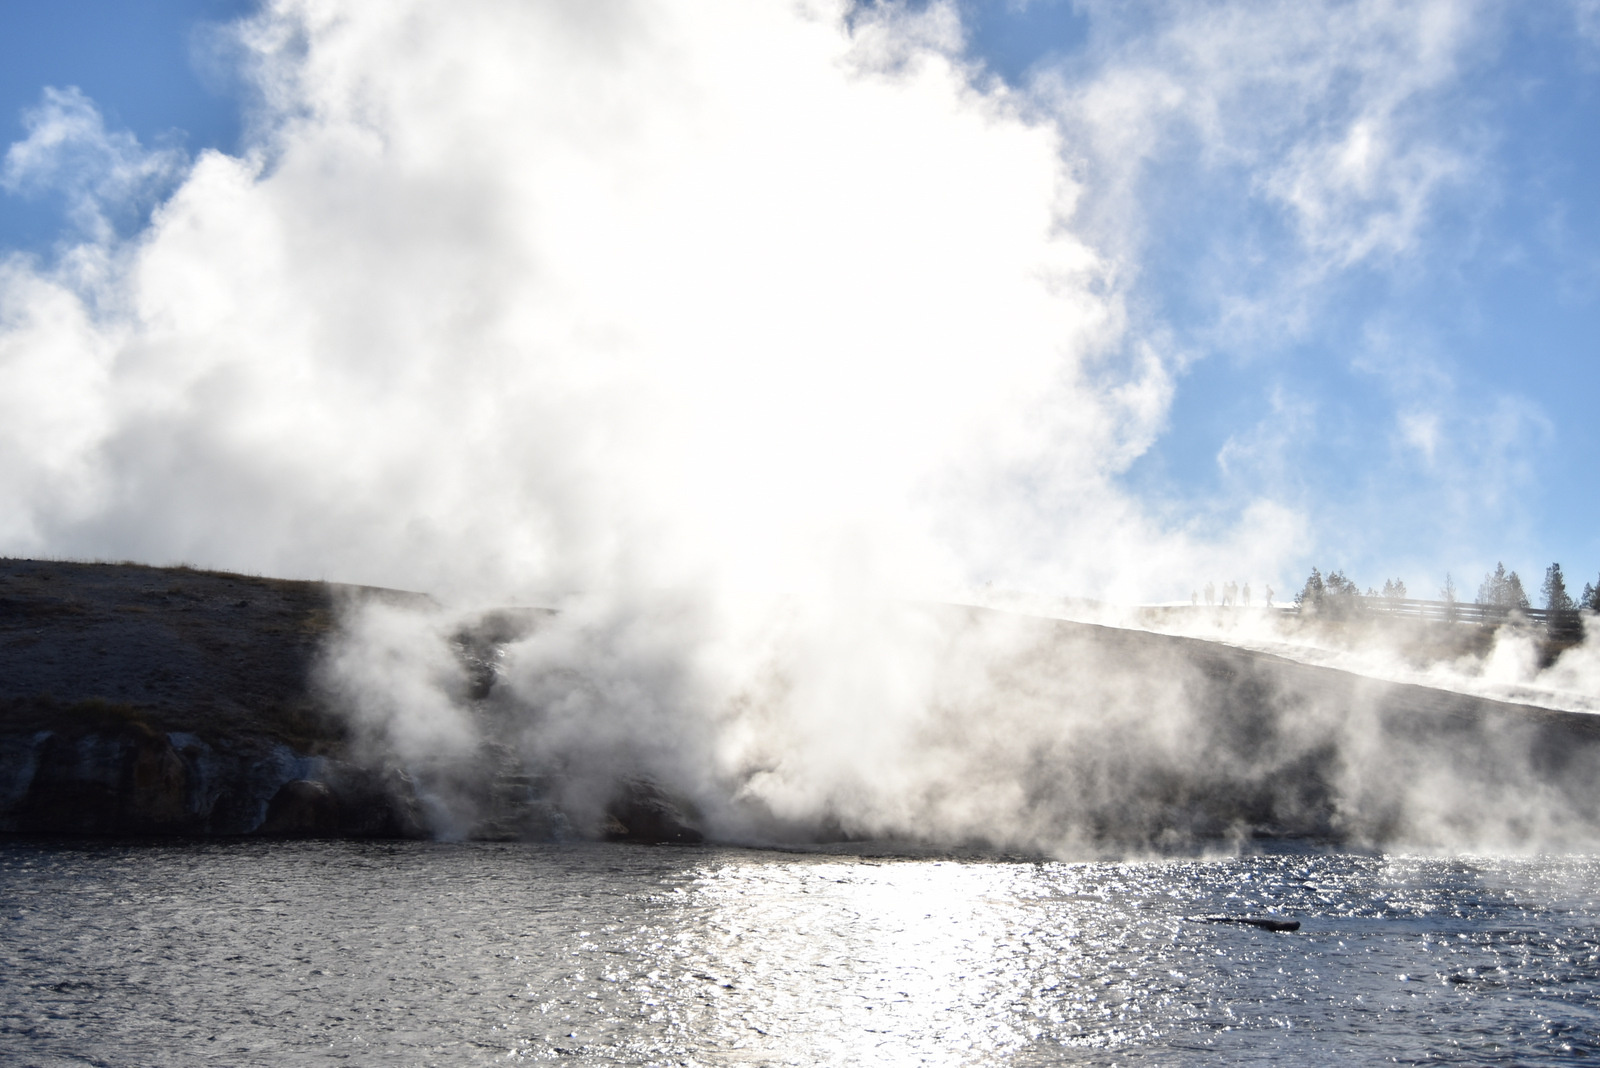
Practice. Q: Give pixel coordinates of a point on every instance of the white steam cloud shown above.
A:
(528, 297)
(717, 326)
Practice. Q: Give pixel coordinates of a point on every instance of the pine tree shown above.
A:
(1555, 590)
(1335, 595)
(1503, 591)
(1563, 613)
(1341, 595)
(1515, 596)
(1309, 599)
(1492, 590)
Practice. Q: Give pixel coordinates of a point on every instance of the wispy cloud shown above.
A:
(102, 175)
(1329, 130)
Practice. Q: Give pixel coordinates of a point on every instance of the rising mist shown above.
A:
(724, 337)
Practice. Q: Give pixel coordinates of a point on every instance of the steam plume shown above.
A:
(721, 328)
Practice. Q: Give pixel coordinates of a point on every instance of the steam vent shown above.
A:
(140, 701)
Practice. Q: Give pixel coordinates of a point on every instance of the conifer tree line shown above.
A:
(1336, 595)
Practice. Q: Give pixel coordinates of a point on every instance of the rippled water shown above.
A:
(290, 953)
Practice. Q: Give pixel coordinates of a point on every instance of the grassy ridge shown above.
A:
(87, 646)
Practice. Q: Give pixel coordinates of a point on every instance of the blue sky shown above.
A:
(1408, 359)
(136, 60)
(1492, 309)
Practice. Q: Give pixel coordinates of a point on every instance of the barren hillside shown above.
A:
(139, 700)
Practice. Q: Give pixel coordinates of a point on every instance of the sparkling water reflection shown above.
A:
(364, 953)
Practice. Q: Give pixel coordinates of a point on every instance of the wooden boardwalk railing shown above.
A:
(1453, 611)
(1338, 607)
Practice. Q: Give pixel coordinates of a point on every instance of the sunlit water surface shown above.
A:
(398, 954)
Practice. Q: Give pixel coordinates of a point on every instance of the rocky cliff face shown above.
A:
(139, 701)
(129, 779)
(168, 701)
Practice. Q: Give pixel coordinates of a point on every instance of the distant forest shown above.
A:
(1500, 595)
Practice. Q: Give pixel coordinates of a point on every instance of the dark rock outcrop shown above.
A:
(302, 808)
(159, 701)
(351, 802)
(643, 812)
(124, 780)
(131, 780)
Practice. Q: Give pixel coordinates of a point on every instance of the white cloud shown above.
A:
(557, 298)
(68, 151)
(1262, 454)
(1336, 117)
(1420, 430)
(1586, 14)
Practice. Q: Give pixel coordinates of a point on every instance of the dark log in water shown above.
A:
(1253, 921)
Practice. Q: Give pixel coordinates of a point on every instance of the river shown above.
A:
(246, 953)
